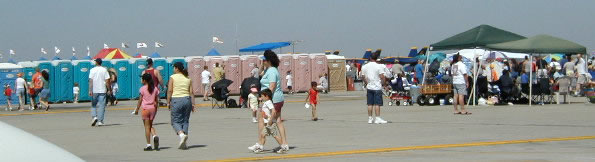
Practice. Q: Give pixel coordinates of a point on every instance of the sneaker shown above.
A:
(510, 103)
(254, 120)
(156, 142)
(370, 120)
(182, 144)
(253, 147)
(10, 109)
(380, 121)
(93, 121)
(100, 124)
(148, 148)
(283, 149)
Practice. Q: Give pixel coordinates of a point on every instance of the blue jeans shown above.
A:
(98, 106)
(181, 107)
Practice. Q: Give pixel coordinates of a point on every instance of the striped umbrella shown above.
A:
(112, 53)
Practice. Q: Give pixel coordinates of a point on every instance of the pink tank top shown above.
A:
(148, 98)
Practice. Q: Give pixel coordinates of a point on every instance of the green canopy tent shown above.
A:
(539, 44)
(477, 37)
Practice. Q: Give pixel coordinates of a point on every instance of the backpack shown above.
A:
(231, 103)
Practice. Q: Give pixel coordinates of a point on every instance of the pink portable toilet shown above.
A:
(248, 63)
(319, 66)
(233, 69)
(195, 67)
(285, 65)
(302, 72)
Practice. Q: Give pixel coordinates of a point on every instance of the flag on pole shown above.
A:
(124, 45)
(158, 45)
(105, 46)
(43, 51)
(217, 40)
(141, 45)
(56, 49)
(88, 51)
(73, 51)
(12, 52)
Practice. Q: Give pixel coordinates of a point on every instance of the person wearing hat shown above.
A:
(253, 101)
(99, 81)
(398, 68)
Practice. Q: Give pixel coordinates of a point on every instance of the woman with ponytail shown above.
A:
(180, 101)
(148, 101)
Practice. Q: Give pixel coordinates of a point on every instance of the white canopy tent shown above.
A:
(481, 53)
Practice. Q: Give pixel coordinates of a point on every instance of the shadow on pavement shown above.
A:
(196, 146)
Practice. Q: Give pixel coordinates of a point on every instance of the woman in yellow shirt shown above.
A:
(180, 101)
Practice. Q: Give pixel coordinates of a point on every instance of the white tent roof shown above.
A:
(471, 53)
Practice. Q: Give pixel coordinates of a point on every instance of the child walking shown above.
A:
(148, 101)
(270, 125)
(8, 94)
(75, 91)
(313, 97)
(253, 102)
(32, 96)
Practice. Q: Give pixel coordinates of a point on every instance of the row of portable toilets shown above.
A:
(64, 73)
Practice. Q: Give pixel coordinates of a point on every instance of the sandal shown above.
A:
(466, 113)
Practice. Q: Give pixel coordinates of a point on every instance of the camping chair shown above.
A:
(219, 97)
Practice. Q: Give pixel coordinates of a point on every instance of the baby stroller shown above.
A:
(220, 93)
(399, 92)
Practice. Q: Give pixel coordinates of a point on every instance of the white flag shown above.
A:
(141, 45)
(158, 45)
(105, 46)
(73, 51)
(217, 40)
(43, 51)
(124, 45)
(12, 52)
(56, 49)
(88, 51)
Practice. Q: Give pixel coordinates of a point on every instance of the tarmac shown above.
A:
(564, 132)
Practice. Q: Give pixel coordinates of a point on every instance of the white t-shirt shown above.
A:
(267, 108)
(458, 70)
(75, 90)
(289, 80)
(581, 66)
(205, 77)
(99, 74)
(20, 82)
(372, 71)
(323, 82)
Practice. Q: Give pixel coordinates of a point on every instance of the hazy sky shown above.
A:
(185, 27)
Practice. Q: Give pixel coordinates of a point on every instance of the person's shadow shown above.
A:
(196, 146)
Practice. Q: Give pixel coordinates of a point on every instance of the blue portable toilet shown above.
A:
(8, 76)
(137, 65)
(122, 67)
(106, 63)
(63, 81)
(81, 76)
(171, 61)
(28, 69)
(161, 65)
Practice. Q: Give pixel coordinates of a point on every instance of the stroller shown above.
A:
(399, 92)
(220, 93)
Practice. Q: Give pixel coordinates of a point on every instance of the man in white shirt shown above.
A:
(459, 84)
(289, 79)
(323, 83)
(99, 81)
(373, 76)
(205, 78)
(581, 70)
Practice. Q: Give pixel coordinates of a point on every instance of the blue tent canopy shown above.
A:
(42, 59)
(73, 58)
(265, 46)
(87, 58)
(56, 58)
(155, 55)
(214, 52)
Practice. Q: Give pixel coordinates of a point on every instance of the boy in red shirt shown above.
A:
(313, 97)
(8, 94)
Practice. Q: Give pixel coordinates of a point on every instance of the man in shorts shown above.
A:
(205, 81)
(581, 70)
(373, 76)
(459, 84)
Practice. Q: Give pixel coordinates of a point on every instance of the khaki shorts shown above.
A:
(582, 79)
(459, 89)
(206, 86)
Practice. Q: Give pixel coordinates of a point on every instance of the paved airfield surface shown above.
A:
(429, 133)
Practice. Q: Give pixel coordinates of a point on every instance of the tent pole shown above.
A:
(530, 79)
(423, 79)
(475, 75)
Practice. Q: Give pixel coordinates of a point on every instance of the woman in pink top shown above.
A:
(148, 101)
